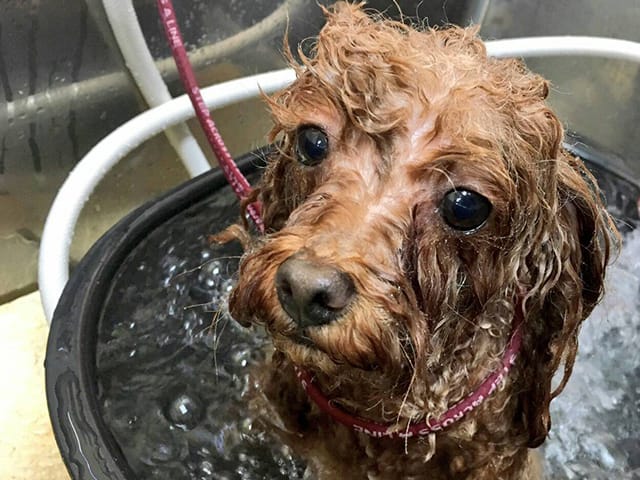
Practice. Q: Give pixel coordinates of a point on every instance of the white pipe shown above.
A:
(59, 226)
(124, 23)
(58, 231)
(565, 46)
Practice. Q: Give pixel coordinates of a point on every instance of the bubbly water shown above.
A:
(596, 420)
(173, 367)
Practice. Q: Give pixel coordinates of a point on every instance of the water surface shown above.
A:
(173, 367)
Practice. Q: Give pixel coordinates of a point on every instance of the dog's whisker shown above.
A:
(196, 305)
(217, 334)
(204, 264)
(405, 397)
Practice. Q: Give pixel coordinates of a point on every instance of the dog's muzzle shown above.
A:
(313, 293)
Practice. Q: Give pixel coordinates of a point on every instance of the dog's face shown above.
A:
(420, 196)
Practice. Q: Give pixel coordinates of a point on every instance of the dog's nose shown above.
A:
(313, 294)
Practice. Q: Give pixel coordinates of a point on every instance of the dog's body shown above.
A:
(423, 224)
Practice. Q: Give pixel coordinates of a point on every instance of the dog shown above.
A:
(430, 254)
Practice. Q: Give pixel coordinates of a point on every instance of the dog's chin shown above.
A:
(311, 353)
(302, 352)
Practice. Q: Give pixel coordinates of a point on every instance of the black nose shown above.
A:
(312, 293)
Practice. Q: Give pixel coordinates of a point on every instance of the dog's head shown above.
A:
(420, 195)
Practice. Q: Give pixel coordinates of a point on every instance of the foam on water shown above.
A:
(174, 368)
(596, 420)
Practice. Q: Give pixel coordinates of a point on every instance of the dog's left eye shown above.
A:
(312, 145)
(465, 210)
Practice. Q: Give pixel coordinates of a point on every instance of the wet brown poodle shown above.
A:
(431, 253)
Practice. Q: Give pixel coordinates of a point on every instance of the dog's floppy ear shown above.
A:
(573, 258)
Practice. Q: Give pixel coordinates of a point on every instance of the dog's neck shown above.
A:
(469, 449)
(432, 424)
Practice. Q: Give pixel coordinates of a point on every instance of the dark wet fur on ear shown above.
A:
(582, 243)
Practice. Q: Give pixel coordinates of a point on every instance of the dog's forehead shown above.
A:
(386, 98)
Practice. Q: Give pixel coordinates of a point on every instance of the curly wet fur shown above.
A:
(411, 114)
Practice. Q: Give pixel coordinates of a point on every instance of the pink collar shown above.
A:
(455, 413)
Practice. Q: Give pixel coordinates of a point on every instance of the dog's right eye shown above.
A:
(312, 145)
(465, 210)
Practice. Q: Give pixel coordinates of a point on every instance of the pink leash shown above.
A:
(238, 182)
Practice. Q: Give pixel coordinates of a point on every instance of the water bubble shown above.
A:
(206, 469)
(161, 447)
(241, 357)
(165, 340)
(185, 411)
(210, 274)
(228, 285)
(192, 321)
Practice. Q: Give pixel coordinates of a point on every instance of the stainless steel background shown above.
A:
(598, 98)
(64, 86)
